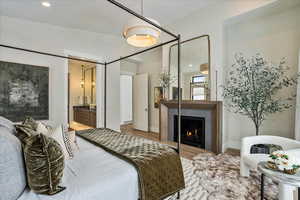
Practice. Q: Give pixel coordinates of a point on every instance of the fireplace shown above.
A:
(192, 130)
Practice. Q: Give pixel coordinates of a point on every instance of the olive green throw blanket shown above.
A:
(158, 166)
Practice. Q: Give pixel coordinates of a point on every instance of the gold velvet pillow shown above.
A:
(24, 131)
(44, 162)
(30, 122)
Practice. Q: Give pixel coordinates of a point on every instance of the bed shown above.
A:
(110, 165)
(94, 174)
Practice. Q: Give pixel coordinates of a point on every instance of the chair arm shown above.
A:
(285, 143)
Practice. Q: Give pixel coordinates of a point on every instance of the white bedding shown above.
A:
(94, 174)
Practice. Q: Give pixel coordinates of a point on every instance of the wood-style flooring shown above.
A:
(186, 151)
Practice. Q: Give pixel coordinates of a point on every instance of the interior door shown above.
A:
(141, 102)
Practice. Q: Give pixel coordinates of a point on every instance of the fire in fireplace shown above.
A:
(192, 131)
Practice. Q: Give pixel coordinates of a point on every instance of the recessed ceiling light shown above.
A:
(190, 65)
(46, 4)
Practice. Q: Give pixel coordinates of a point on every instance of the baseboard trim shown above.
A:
(154, 129)
(233, 144)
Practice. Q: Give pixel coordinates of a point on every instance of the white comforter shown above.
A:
(94, 174)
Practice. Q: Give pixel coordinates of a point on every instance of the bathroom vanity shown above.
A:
(85, 115)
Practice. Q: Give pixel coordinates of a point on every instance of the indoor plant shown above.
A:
(165, 80)
(253, 85)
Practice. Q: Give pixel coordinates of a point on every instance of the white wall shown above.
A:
(297, 114)
(126, 98)
(75, 87)
(113, 96)
(151, 63)
(211, 21)
(128, 67)
(58, 40)
(275, 36)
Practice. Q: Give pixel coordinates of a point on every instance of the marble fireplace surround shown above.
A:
(210, 110)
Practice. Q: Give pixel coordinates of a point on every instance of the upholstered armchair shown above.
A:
(250, 161)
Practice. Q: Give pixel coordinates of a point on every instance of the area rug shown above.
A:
(217, 177)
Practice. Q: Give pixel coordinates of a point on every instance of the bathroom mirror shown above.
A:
(195, 69)
(89, 85)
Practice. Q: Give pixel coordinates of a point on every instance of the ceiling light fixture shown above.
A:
(139, 33)
(46, 4)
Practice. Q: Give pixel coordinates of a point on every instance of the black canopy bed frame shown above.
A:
(176, 38)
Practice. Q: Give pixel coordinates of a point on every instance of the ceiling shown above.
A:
(98, 15)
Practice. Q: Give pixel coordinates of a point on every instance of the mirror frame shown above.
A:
(209, 60)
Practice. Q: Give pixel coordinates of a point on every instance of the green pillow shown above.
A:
(24, 131)
(30, 122)
(44, 162)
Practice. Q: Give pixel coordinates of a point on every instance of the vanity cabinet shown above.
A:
(85, 115)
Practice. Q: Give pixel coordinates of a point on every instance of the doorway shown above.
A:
(126, 99)
(81, 95)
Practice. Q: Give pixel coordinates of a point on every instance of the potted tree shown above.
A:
(166, 79)
(253, 85)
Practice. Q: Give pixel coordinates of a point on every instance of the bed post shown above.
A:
(105, 98)
(179, 93)
(179, 100)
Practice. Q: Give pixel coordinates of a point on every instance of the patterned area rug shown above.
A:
(211, 177)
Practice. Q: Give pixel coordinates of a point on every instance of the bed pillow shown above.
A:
(12, 170)
(9, 125)
(24, 131)
(73, 141)
(30, 122)
(62, 138)
(43, 128)
(58, 133)
(44, 160)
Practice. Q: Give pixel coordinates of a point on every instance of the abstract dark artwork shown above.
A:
(24, 91)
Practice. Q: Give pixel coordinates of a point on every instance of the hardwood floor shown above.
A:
(186, 151)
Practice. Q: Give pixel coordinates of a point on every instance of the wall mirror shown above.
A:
(89, 92)
(195, 69)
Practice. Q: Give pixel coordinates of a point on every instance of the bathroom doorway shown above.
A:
(81, 95)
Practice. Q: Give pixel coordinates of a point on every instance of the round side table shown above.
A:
(287, 183)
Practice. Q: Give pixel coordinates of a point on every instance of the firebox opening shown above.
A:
(192, 131)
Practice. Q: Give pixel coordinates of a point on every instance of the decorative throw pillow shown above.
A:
(264, 148)
(24, 131)
(44, 162)
(30, 122)
(62, 138)
(73, 141)
(43, 128)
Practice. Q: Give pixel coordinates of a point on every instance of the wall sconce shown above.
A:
(82, 76)
(82, 83)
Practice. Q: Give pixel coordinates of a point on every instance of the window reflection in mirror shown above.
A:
(195, 69)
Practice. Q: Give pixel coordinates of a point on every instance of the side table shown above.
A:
(287, 183)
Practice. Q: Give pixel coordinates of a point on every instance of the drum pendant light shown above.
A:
(139, 33)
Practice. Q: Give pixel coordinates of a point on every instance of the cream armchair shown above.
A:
(250, 161)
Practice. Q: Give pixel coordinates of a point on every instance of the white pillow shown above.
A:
(72, 137)
(61, 137)
(42, 128)
(66, 139)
